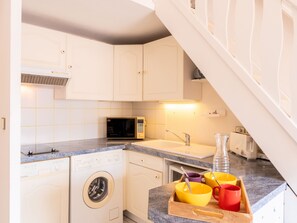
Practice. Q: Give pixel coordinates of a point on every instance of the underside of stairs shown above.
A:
(246, 50)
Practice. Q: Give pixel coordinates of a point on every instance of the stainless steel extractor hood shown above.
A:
(44, 76)
(44, 79)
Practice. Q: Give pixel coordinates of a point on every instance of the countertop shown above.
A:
(262, 181)
(71, 148)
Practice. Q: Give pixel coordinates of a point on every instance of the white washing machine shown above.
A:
(96, 187)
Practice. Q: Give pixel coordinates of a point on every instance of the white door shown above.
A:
(10, 63)
(139, 181)
(163, 70)
(90, 65)
(43, 50)
(128, 73)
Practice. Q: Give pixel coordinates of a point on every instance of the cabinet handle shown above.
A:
(3, 123)
(156, 177)
(142, 160)
(69, 66)
(62, 51)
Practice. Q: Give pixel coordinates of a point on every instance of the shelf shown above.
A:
(199, 80)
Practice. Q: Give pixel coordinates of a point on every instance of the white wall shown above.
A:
(187, 118)
(45, 119)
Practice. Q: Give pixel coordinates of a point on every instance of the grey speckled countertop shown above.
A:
(70, 148)
(262, 181)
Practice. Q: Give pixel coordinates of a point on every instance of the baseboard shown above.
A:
(135, 218)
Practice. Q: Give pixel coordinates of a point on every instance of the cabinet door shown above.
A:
(163, 70)
(90, 65)
(45, 192)
(139, 181)
(272, 212)
(128, 73)
(43, 50)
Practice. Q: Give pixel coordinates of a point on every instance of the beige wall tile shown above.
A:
(77, 132)
(91, 131)
(61, 133)
(61, 116)
(28, 135)
(44, 116)
(44, 134)
(77, 116)
(28, 117)
(28, 96)
(44, 97)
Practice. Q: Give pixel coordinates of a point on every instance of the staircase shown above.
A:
(247, 49)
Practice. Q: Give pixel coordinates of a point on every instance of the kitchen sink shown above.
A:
(194, 150)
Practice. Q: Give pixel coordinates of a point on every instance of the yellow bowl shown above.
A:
(200, 196)
(222, 178)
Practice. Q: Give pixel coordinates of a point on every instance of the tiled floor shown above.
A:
(128, 220)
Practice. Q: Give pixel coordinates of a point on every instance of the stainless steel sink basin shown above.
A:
(194, 150)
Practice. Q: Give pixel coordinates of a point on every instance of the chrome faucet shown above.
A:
(187, 139)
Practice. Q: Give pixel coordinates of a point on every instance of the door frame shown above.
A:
(10, 65)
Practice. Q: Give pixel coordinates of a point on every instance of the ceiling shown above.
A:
(111, 21)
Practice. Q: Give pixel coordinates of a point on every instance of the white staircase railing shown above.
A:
(254, 43)
(261, 36)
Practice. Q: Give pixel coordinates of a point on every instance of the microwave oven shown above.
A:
(125, 127)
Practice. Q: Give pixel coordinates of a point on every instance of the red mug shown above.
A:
(228, 195)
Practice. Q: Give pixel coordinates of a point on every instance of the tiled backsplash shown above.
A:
(189, 118)
(45, 119)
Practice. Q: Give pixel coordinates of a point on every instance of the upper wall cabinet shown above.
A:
(128, 73)
(90, 64)
(43, 50)
(168, 72)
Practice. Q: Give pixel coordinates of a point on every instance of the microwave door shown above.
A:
(121, 128)
(129, 128)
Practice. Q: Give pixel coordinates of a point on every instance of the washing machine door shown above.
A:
(98, 189)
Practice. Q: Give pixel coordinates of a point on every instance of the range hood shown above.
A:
(42, 77)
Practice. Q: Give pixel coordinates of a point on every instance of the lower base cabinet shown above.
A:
(45, 191)
(272, 212)
(290, 206)
(144, 172)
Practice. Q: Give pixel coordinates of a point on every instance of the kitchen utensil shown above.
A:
(222, 178)
(188, 184)
(184, 171)
(200, 196)
(214, 176)
(229, 196)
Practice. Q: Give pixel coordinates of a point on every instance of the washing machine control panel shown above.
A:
(93, 160)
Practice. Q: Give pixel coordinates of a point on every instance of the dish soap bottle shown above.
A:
(221, 161)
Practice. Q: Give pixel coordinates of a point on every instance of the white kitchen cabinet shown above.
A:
(45, 191)
(128, 72)
(272, 212)
(90, 64)
(168, 72)
(144, 172)
(43, 50)
(290, 206)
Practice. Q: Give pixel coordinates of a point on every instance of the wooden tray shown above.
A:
(212, 213)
